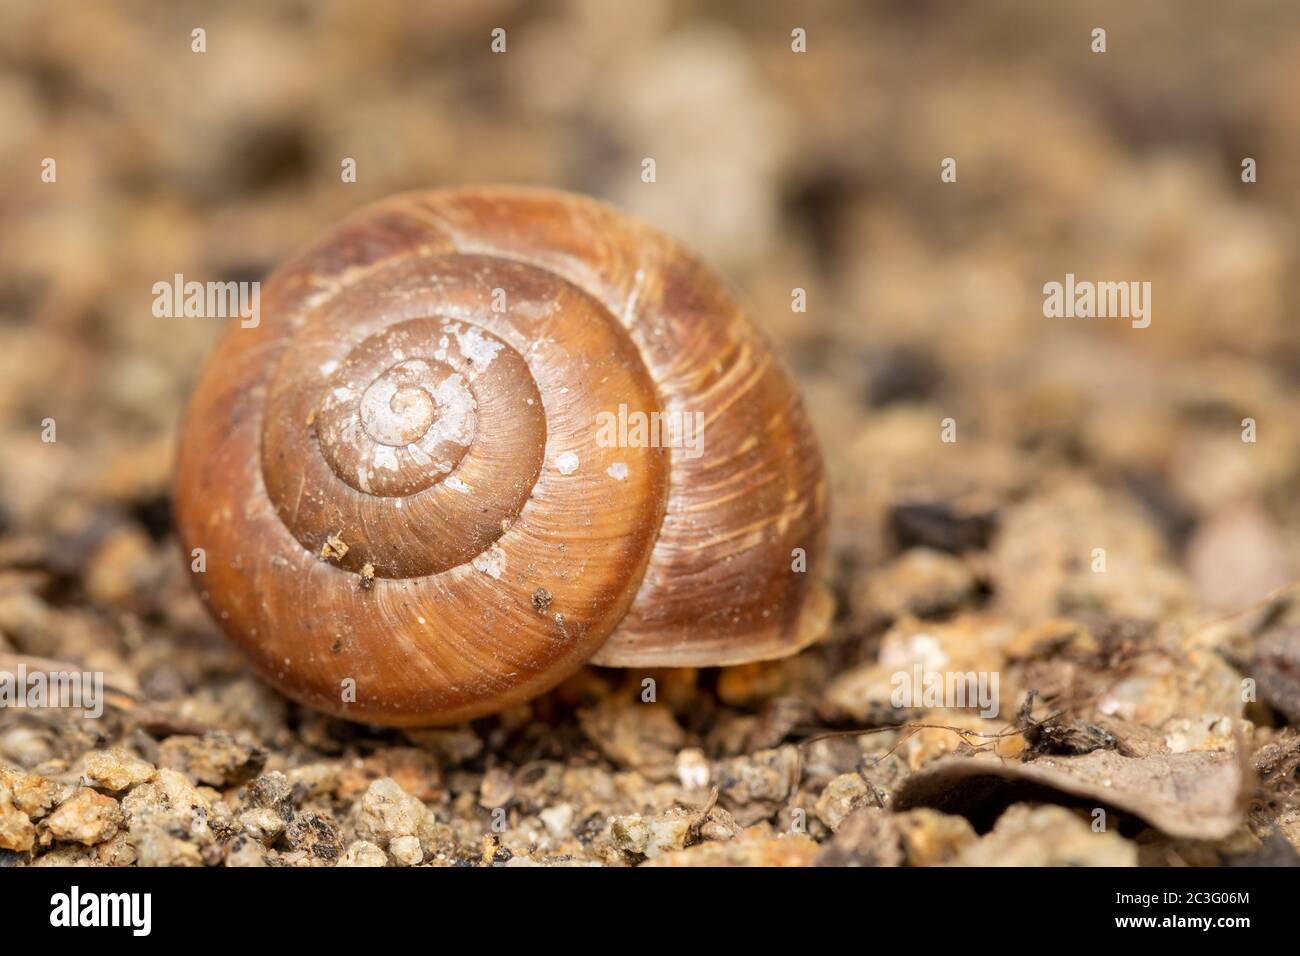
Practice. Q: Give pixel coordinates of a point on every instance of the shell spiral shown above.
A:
(415, 483)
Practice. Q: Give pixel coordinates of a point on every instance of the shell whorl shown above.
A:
(397, 477)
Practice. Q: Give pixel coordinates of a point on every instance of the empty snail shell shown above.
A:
(480, 437)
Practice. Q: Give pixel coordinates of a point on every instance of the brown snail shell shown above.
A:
(397, 481)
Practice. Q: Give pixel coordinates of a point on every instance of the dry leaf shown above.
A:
(1194, 795)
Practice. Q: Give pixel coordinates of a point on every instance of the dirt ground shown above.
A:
(1113, 533)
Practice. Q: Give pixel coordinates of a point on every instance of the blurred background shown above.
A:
(817, 171)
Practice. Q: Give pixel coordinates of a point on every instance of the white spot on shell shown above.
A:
(385, 456)
(617, 471)
(458, 485)
(475, 346)
(328, 367)
(566, 463)
(455, 421)
(491, 562)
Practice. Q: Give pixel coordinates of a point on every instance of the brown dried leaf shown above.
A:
(1276, 668)
(1194, 795)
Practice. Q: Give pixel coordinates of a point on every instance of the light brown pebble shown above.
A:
(243, 852)
(558, 820)
(1027, 835)
(788, 850)
(17, 832)
(86, 817)
(116, 769)
(931, 838)
(262, 824)
(31, 793)
(636, 836)
(634, 735)
(216, 758)
(167, 820)
(843, 795)
(405, 850)
(868, 837)
(386, 811)
(363, 853)
(497, 789)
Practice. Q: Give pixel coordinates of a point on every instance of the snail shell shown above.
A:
(407, 509)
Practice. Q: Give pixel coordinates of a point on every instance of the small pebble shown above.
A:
(363, 853)
(86, 817)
